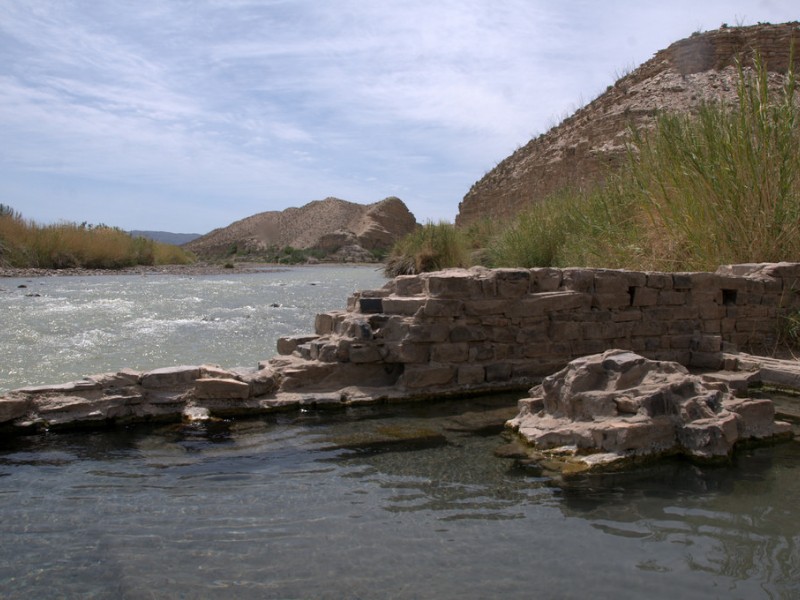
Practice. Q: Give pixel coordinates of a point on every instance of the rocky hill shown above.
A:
(336, 228)
(581, 149)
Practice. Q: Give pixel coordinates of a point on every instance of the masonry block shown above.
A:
(512, 283)
(545, 279)
(398, 305)
(443, 307)
(408, 285)
(470, 375)
(546, 302)
(450, 353)
(407, 352)
(431, 375)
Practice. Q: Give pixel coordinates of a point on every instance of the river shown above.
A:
(369, 502)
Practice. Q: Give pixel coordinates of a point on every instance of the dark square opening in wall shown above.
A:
(729, 297)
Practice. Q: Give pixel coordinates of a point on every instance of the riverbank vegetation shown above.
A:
(26, 244)
(717, 187)
(431, 247)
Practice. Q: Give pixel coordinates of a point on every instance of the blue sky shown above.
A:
(185, 115)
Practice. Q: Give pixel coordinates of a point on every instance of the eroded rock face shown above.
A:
(614, 406)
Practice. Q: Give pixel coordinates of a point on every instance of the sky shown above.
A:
(186, 115)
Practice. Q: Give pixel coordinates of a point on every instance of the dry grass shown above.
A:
(26, 244)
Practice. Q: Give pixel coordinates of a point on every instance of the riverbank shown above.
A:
(184, 270)
(196, 269)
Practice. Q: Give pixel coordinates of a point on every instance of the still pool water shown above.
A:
(370, 502)
(381, 502)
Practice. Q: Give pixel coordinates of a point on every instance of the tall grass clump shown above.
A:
(723, 187)
(537, 236)
(24, 244)
(720, 186)
(432, 247)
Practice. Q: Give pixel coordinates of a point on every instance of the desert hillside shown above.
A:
(580, 150)
(341, 230)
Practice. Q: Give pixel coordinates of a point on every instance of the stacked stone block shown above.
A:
(480, 329)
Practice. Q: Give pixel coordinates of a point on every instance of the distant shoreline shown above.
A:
(190, 270)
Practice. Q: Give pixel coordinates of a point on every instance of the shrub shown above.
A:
(697, 191)
(66, 245)
(432, 247)
(722, 187)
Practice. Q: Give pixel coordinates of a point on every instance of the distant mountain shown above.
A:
(178, 239)
(580, 151)
(335, 228)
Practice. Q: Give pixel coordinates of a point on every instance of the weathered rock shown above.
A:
(170, 377)
(623, 405)
(221, 389)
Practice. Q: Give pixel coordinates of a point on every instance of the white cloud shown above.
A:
(262, 105)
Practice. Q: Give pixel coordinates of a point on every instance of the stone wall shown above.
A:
(468, 330)
(449, 333)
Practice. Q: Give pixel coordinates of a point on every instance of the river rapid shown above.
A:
(369, 502)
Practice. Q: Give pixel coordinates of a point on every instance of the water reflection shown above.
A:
(381, 501)
(729, 520)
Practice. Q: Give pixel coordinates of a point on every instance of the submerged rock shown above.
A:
(617, 407)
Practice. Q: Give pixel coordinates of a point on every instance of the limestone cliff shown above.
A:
(331, 225)
(581, 149)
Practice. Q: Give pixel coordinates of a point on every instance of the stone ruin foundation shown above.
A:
(450, 334)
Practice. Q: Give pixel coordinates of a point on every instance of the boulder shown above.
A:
(618, 405)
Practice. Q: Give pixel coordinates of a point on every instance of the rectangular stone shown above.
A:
(365, 353)
(705, 360)
(624, 316)
(512, 283)
(547, 302)
(169, 377)
(395, 305)
(615, 300)
(466, 333)
(496, 306)
(450, 353)
(454, 283)
(429, 332)
(578, 280)
(645, 296)
(407, 352)
(408, 285)
(672, 298)
(221, 388)
(604, 331)
(369, 306)
(545, 279)
(533, 334)
(502, 335)
(565, 330)
(324, 323)
(659, 281)
(470, 375)
(481, 352)
(443, 307)
(707, 343)
(288, 344)
(422, 376)
(608, 281)
(498, 372)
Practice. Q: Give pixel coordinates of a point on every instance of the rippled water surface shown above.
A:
(371, 502)
(58, 329)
